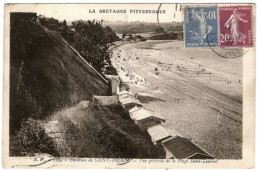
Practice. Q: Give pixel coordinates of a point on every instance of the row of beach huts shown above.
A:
(175, 145)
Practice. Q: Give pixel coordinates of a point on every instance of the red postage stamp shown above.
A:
(235, 26)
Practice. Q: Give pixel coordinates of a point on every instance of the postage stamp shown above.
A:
(235, 26)
(200, 26)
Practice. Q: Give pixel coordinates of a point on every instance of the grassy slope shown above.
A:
(90, 130)
(46, 74)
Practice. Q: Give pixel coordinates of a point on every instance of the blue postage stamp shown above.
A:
(201, 26)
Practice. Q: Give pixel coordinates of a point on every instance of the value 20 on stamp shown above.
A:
(235, 26)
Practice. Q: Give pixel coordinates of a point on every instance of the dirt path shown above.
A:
(207, 109)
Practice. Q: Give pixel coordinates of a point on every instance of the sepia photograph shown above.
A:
(155, 84)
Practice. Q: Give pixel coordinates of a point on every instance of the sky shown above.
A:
(72, 12)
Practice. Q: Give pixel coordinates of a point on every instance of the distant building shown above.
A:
(158, 134)
(181, 148)
(145, 118)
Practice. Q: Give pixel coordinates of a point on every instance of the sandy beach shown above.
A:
(198, 92)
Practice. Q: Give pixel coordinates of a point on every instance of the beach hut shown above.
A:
(105, 100)
(179, 147)
(128, 102)
(124, 92)
(158, 134)
(115, 82)
(145, 118)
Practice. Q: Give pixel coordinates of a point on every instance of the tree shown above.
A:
(159, 29)
(64, 22)
(110, 35)
(92, 40)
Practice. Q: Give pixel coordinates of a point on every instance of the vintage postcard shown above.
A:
(129, 86)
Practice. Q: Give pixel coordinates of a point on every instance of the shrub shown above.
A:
(30, 139)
